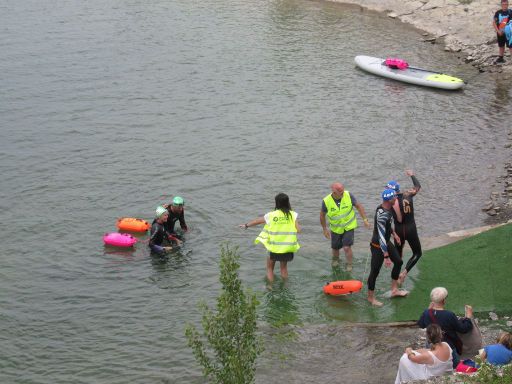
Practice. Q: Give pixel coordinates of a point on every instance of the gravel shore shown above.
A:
(462, 26)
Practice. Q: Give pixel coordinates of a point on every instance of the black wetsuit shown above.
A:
(158, 235)
(380, 244)
(171, 221)
(406, 230)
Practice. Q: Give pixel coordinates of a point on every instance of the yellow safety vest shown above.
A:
(342, 218)
(280, 234)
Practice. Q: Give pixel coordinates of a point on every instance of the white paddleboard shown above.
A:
(410, 75)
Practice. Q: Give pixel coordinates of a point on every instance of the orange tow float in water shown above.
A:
(132, 224)
(342, 287)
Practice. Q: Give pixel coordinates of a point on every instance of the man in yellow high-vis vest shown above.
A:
(338, 206)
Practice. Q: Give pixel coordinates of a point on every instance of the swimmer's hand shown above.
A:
(387, 260)
(397, 238)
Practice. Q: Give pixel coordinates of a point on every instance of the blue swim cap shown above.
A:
(393, 185)
(388, 194)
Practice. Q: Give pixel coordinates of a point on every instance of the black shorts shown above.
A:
(502, 41)
(281, 256)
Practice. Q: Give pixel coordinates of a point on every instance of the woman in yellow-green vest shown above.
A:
(279, 235)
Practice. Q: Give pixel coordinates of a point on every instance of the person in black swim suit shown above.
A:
(159, 233)
(405, 226)
(382, 248)
(176, 212)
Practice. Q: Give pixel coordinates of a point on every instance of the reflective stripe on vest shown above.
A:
(342, 218)
(280, 235)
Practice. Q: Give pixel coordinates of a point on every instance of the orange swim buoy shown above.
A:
(342, 287)
(132, 224)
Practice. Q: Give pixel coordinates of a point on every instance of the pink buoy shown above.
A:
(119, 239)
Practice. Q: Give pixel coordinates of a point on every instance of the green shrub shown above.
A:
(491, 374)
(229, 347)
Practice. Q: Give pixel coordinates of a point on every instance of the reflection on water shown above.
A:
(334, 353)
(501, 93)
(170, 261)
(280, 307)
(110, 107)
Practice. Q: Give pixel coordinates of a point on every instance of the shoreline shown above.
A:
(474, 42)
(461, 26)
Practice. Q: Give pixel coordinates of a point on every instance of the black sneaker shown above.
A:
(500, 59)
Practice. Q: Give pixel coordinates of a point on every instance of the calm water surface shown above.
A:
(108, 109)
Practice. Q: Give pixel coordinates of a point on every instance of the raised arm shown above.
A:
(415, 182)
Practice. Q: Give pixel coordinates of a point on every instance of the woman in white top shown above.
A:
(426, 363)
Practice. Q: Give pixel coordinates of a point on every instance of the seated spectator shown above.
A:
(426, 363)
(499, 353)
(447, 320)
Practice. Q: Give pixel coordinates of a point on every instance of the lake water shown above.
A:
(108, 109)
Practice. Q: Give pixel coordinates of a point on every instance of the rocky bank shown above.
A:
(462, 26)
(465, 28)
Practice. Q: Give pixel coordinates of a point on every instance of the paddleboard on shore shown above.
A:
(410, 74)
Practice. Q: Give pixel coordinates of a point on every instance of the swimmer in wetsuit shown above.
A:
(382, 250)
(176, 212)
(405, 226)
(159, 233)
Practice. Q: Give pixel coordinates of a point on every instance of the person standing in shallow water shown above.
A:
(382, 250)
(405, 226)
(338, 206)
(279, 235)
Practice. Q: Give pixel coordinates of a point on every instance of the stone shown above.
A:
(488, 206)
(509, 323)
(492, 212)
(393, 15)
(493, 316)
